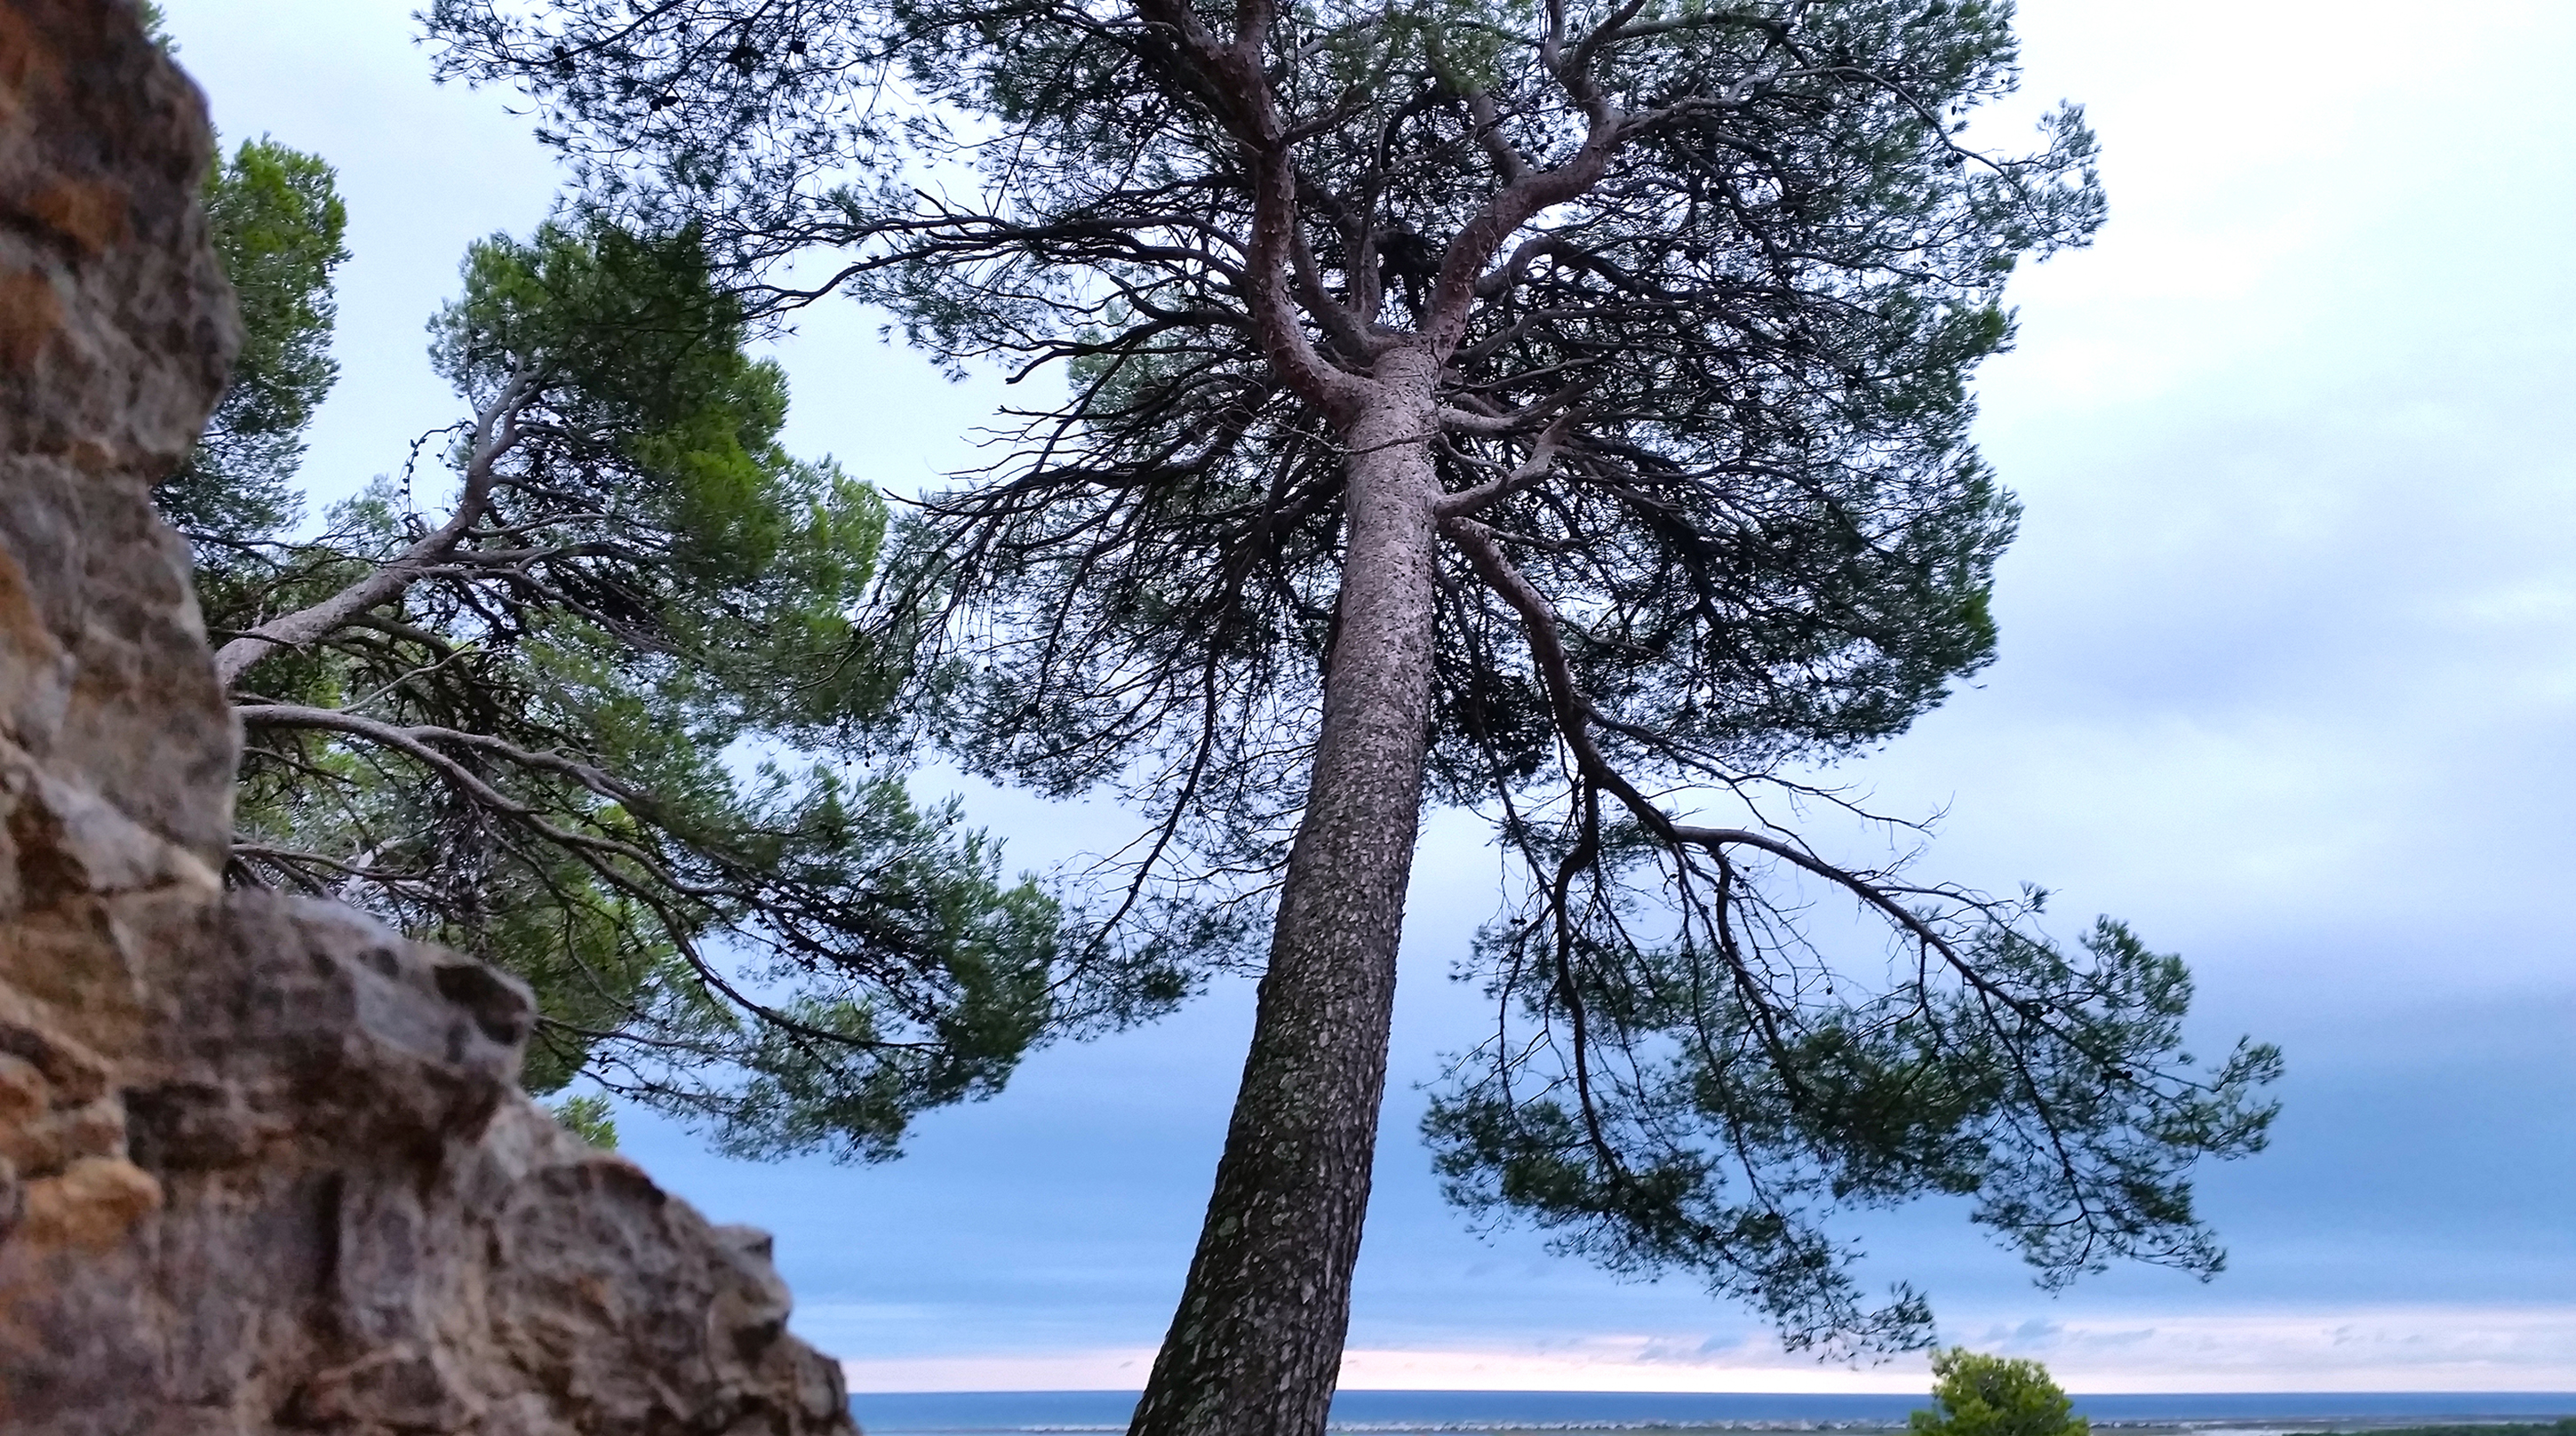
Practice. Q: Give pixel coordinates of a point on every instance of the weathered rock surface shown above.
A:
(263, 1166)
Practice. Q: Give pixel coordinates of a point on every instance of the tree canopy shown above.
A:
(555, 694)
(1975, 1394)
(277, 223)
(1559, 409)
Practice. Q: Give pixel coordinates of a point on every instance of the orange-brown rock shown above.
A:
(263, 1164)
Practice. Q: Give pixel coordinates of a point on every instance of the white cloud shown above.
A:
(2378, 1348)
(2390, 1348)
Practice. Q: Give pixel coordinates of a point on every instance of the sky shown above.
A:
(2288, 681)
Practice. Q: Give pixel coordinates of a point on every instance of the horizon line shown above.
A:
(2516, 1393)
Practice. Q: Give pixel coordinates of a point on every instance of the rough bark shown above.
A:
(1256, 1346)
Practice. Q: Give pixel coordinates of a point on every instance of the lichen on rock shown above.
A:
(263, 1163)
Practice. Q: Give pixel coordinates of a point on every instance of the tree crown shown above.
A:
(1979, 1395)
(1682, 301)
(277, 223)
(550, 695)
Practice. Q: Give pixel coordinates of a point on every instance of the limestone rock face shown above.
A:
(263, 1166)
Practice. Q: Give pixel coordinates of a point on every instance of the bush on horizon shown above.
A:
(1981, 1395)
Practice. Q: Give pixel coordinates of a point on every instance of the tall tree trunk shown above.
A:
(1256, 1346)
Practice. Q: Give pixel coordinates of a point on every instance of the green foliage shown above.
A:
(1980, 1395)
(566, 724)
(1840, 1100)
(592, 1118)
(1710, 409)
(277, 222)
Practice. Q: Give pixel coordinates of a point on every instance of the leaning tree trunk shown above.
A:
(1256, 1346)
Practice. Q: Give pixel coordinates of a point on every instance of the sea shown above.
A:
(1509, 1413)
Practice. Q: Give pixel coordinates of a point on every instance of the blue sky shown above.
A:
(2288, 681)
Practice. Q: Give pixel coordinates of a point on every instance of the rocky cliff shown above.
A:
(263, 1166)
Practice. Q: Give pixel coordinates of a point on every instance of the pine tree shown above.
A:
(1558, 409)
(554, 695)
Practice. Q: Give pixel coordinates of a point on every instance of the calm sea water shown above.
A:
(1465, 1412)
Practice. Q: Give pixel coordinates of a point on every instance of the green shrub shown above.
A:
(1980, 1395)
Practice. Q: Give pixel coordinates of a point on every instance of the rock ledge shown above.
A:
(263, 1166)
